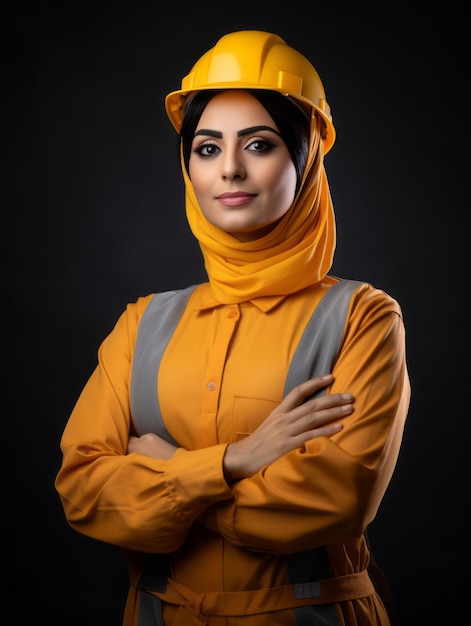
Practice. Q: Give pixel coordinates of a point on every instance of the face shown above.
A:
(240, 168)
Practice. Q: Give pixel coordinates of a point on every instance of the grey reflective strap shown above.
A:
(153, 578)
(156, 328)
(315, 356)
(305, 569)
(321, 339)
(150, 610)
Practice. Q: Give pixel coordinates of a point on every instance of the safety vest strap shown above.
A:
(155, 330)
(308, 565)
(320, 342)
(314, 356)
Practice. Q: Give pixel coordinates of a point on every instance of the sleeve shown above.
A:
(129, 500)
(332, 488)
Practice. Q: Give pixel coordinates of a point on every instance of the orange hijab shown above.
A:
(297, 253)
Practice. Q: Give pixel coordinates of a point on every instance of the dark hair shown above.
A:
(292, 122)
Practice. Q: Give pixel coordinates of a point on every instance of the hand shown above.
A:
(288, 427)
(152, 445)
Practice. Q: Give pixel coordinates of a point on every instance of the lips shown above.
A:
(235, 198)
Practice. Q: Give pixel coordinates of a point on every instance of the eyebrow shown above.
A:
(254, 129)
(240, 133)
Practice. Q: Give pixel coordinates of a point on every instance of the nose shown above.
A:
(233, 166)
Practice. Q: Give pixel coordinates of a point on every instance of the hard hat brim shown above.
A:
(175, 103)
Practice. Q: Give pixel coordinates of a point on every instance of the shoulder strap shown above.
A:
(321, 339)
(156, 327)
(315, 356)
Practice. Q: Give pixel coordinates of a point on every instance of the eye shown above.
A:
(262, 146)
(206, 150)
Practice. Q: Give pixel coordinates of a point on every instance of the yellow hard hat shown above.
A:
(254, 59)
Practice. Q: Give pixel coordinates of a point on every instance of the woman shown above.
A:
(237, 437)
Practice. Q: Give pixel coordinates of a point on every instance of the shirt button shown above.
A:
(211, 386)
(232, 313)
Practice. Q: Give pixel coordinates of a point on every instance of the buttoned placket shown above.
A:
(228, 319)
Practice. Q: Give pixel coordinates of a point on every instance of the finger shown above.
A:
(328, 401)
(298, 394)
(314, 433)
(325, 431)
(319, 408)
(318, 419)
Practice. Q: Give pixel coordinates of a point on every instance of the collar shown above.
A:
(204, 300)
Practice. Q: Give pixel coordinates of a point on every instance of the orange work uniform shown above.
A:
(215, 388)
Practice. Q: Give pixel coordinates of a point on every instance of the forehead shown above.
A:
(233, 110)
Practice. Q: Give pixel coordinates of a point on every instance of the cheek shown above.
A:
(283, 185)
(192, 170)
(199, 177)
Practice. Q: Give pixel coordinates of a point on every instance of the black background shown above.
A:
(94, 217)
